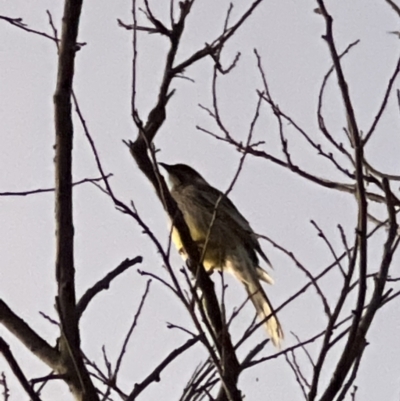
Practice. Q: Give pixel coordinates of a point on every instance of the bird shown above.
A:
(224, 237)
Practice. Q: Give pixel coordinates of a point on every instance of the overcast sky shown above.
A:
(287, 35)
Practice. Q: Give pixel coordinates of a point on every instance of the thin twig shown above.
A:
(130, 331)
(297, 374)
(384, 102)
(104, 284)
(154, 376)
(44, 190)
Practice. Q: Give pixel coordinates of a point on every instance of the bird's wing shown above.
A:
(228, 212)
(210, 196)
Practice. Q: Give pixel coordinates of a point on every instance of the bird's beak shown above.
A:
(165, 166)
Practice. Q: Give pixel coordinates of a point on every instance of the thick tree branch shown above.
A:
(32, 341)
(77, 376)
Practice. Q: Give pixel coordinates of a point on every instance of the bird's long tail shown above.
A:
(265, 311)
(250, 276)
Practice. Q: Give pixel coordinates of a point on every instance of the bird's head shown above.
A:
(182, 175)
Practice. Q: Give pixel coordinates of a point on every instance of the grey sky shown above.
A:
(287, 34)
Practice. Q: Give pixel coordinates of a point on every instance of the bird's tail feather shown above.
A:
(264, 276)
(244, 271)
(265, 311)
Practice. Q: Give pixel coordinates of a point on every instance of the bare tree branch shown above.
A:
(154, 376)
(44, 190)
(69, 345)
(18, 22)
(384, 103)
(104, 284)
(19, 374)
(395, 7)
(4, 385)
(130, 331)
(32, 341)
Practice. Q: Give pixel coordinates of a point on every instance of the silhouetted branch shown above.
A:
(44, 190)
(19, 374)
(385, 99)
(18, 22)
(69, 345)
(104, 284)
(155, 375)
(394, 6)
(4, 385)
(301, 381)
(32, 341)
(130, 331)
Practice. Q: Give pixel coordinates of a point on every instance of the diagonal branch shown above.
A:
(104, 284)
(21, 330)
(155, 375)
(395, 7)
(44, 190)
(18, 22)
(217, 44)
(19, 374)
(384, 102)
(131, 328)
